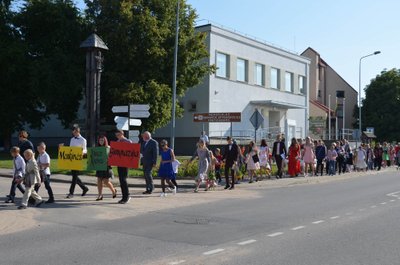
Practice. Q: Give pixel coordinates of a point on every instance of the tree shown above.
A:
(138, 67)
(42, 68)
(381, 104)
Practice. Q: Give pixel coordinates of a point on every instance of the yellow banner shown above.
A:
(70, 158)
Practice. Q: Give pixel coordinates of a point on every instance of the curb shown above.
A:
(88, 183)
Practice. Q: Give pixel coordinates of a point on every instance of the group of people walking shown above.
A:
(300, 158)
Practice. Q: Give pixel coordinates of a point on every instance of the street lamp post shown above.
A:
(359, 92)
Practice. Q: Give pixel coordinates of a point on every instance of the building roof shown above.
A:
(324, 63)
(322, 106)
(369, 134)
(277, 104)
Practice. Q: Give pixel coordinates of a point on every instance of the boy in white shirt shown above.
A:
(18, 173)
(43, 161)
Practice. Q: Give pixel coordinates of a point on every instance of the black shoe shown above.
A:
(9, 201)
(100, 198)
(232, 188)
(147, 192)
(124, 201)
(22, 207)
(115, 194)
(40, 203)
(51, 200)
(227, 187)
(84, 192)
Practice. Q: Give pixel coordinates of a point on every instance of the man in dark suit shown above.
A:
(279, 153)
(149, 151)
(230, 157)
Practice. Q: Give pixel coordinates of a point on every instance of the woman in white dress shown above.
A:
(264, 158)
(252, 160)
(360, 160)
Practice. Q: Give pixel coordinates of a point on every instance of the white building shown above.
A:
(250, 75)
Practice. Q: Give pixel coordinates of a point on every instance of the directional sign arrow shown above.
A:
(119, 109)
(140, 107)
(134, 133)
(139, 114)
(122, 123)
(135, 122)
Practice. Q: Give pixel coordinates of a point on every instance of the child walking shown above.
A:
(165, 171)
(18, 173)
(218, 164)
(43, 161)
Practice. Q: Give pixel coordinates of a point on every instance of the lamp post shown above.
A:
(359, 91)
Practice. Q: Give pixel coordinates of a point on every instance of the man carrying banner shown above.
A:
(149, 151)
(77, 141)
(123, 171)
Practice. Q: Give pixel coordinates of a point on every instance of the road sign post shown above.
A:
(256, 120)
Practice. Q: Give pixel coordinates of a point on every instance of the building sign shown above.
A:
(218, 117)
(317, 125)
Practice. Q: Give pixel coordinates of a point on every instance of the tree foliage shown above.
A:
(139, 65)
(41, 64)
(380, 107)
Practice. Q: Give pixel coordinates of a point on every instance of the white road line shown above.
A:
(335, 217)
(298, 228)
(177, 262)
(362, 210)
(383, 203)
(212, 252)
(392, 200)
(247, 242)
(394, 194)
(318, 222)
(373, 206)
(275, 234)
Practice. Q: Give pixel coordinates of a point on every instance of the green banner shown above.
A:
(97, 158)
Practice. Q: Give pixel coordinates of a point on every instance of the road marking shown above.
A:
(373, 206)
(298, 228)
(275, 234)
(247, 242)
(362, 210)
(392, 200)
(383, 203)
(318, 222)
(212, 252)
(349, 213)
(177, 262)
(335, 217)
(394, 194)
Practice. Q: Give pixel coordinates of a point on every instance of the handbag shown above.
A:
(255, 158)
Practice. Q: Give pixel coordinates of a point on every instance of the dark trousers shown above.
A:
(218, 174)
(13, 188)
(76, 180)
(320, 165)
(47, 186)
(378, 162)
(122, 175)
(278, 160)
(227, 169)
(147, 171)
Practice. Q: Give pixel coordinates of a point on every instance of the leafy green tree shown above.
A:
(42, 68)
(380, 107)
(138, 67)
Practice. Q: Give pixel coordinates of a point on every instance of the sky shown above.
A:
(341, 31)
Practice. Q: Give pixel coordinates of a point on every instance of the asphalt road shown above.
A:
(348, 221)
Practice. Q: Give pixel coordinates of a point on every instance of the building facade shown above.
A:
(329, 92)
(250, 75)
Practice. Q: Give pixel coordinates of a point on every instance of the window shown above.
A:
(241, 70)
(193, 106)
(259, 77)
(275, 78)
(302, 84)
(222, 65)
(289, 82)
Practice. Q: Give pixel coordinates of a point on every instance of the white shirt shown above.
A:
(19, 166)
(44, 159)
(79, 142)
(204, 138)
(175, 166)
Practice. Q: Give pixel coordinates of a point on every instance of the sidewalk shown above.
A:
(133, 182)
